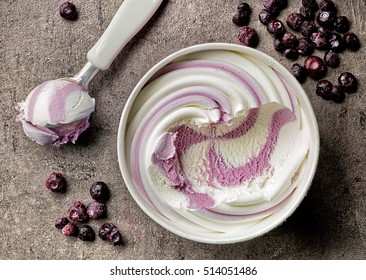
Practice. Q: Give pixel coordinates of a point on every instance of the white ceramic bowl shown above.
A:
(239, 234)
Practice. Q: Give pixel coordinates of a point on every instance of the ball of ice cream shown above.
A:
(55, 112)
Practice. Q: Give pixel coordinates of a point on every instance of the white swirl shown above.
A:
(202, 99)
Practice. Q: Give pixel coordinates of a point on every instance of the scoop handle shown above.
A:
(131, 16)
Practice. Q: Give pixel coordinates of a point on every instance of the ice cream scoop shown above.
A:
(57, 111)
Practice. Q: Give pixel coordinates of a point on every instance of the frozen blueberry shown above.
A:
(352, 41)
(310, 4)
(319, 41)
(324, 89)
(337, 94)
(77, 212)
(326, 19)
(315, 67)
(248, 36)
(68, 11)
(276, 28)
(328, 5)
(305, 47)
(348, 82)
(290, 40)
(99, 191)
(109, 232)
(96, 210)
(341, 24)
(326, 33)
(307, 14)
(273, 6)
(105, 231)
(61, 222)
(242, 14)
(291, 54)
(279, 45)
(86, 233)
(336, 43)
(115, 237)
(70, 229)
(331, 59)
(307, 28)
(265, 16)
(294, 21)
(56, 182)
(299, 72)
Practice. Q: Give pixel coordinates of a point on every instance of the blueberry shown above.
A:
(331, 59)
(276, 28)
(109, 232)
(307, 28)
(328, 5)
(337, 94)
(70, 229)
(96, 210)
(326, 33)
(294, 21)
(115, 237)
(307, 14)
(265, 16)
(77, 212)
(315, 67)
(290, 40)
(336, 43)
(86, 233)
(352, 41)
(273, 6)
(305, 47)
(56, 182)
(324, 89)
(248, 36)
(348, 82)
(291, 54)
(310, 4)
(68, 11)
(341, 24)
(242, 14)
(299, 72)
(105, 231)
(279, 45)
(99, 191)
(319, 41)
(61, 222)
(326, 19)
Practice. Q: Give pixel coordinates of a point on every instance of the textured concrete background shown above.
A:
(36, 45)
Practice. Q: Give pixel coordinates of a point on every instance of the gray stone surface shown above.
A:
(36, 45)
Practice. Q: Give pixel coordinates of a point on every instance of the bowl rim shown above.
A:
(300, 93)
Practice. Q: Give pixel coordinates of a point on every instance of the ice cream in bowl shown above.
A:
(218, 143)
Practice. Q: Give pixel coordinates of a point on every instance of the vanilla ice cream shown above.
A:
(55, 112)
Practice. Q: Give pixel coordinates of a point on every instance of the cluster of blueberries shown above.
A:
(320, 27)
(79, 213)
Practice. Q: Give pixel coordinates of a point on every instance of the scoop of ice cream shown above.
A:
(216, 141)
(55, 112)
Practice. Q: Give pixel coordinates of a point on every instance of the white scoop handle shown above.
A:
(131, 16)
